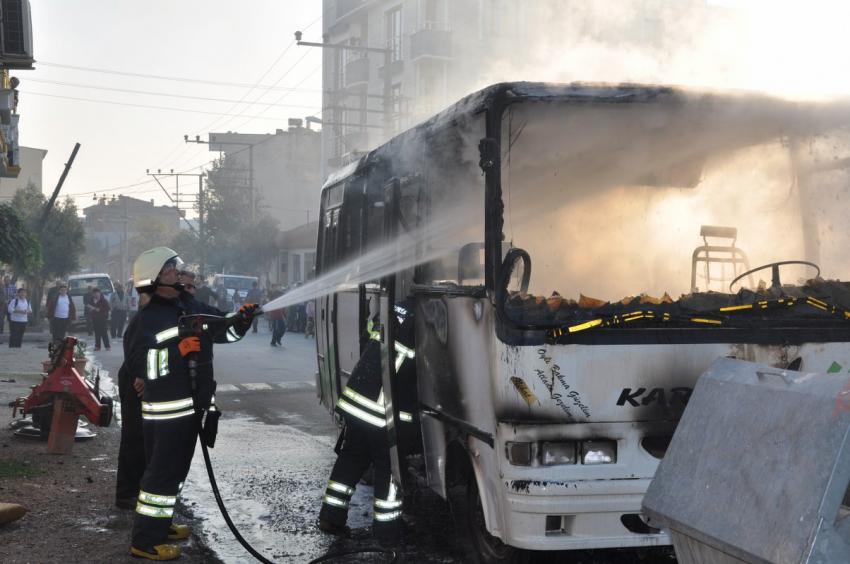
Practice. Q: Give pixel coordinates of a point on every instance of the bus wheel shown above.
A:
(477, 544)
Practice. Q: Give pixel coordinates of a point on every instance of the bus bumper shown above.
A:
(578, 515)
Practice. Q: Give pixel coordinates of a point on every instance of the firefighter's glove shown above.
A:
(189, 345)
(248, 311)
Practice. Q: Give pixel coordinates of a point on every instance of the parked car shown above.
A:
(80, 284)
(237, 287)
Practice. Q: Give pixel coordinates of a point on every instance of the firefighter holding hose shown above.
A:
(169, 413)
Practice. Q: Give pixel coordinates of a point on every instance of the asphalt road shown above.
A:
(273, 457)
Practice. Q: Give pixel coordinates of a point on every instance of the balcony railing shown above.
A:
(356, 72)
(431, 40)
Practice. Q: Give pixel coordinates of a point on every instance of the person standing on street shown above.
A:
(87, 301)
(99, 315)
(19, 311)
(310, 328)
(3, 304)
(133, 300)
(202, 292)
(169, 415)
(278, 318)
(119, 302)
(60, 312)
(9, 294)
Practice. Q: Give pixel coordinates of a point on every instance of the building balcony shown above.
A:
(344, 7)
(355, 141)
(395, 68)
(356, 72)
(431, 41)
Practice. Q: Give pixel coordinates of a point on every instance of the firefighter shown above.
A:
(365, 438)
(131, 452)
(170, 421)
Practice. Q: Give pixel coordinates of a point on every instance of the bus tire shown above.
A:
(474, 541)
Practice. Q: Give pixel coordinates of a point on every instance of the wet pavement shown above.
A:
(273, 456)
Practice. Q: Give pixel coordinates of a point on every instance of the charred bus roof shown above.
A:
(508, 92)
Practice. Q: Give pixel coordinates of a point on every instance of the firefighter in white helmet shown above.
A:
(169, 414)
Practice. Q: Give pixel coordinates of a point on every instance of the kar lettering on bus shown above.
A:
(635, 398)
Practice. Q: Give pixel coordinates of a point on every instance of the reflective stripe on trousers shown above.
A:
(156, 505)
(386, 510)
(338, 494)
(157, 410)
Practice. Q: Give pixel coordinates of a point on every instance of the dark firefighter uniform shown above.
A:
(365, 442)
(169, 418)
(131, 453)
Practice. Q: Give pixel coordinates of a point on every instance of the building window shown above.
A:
(309, 265)
(296, 268)
(431, 14)
(393, 19)
(395, 106)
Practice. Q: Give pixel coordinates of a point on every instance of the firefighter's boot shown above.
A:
(178, 532)
(159, 552)
(333, 528)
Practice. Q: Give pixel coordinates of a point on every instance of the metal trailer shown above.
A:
(543, 418)
(759, 468)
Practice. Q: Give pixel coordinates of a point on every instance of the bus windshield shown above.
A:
(629, 208)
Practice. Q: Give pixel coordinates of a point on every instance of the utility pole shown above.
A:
(49, 205)
(250, 146)
(202, 242)
(387, 53)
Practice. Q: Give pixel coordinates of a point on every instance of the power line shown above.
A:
(246, 108)
(151, 93)
(161, 77)
(146, 106)
(280, 98)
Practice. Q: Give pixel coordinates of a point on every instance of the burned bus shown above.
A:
(579, 255)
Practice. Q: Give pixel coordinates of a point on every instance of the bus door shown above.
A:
(328, 243)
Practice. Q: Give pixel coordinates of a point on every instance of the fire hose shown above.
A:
(193, 326)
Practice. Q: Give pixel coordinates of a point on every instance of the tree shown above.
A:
(236, 241)
(17, 245)
(61, 239)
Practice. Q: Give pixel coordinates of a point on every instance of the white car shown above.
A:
(81, 284)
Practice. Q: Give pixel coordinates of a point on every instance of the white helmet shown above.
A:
(147, 267)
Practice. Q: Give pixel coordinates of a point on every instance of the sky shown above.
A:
(787, 47)
(240, 44)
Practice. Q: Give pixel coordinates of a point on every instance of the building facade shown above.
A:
(30, 160)
(434, 52)
(117, 230)
(279, 172)
(427, 54)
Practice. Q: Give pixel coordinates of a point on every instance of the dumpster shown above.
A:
(758, 468)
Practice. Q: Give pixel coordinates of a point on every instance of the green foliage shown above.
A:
(18, 247)
(235, 241)
(61, 239)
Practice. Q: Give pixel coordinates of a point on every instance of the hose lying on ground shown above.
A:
(253, 551)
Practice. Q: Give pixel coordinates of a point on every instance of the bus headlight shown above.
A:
(553, 454)
(599, 452)
(519, 454)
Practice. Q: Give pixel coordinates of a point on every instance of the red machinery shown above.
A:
(62, 397)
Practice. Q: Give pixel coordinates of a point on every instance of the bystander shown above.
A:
(19, 311)
(119, 303)
(98, 311)
(60, 312)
